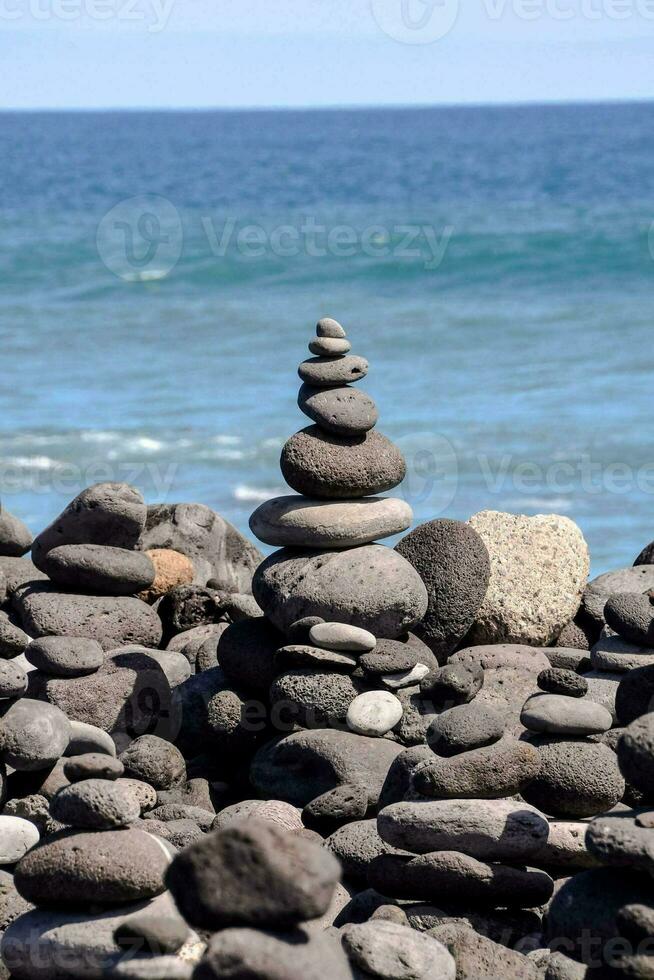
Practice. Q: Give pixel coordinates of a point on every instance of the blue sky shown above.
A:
(235, 53)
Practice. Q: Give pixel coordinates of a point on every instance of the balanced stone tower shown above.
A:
(333, 592)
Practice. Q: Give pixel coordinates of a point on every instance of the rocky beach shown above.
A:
(342, 761)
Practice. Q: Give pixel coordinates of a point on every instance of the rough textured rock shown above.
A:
(252, 874)
(278, 812)
(356, 845)
(247, 653)
(326, 372)
(203, 536)
(539, 567)
(632, 616)
(111, 867)
(17, 837)
(301, 766)
(171, 568)
(455, 683)
(372, 587)
(13, 680)
(479, 958)
(95, 804)
(576, 779)
(318, 464)
(154, 761)
(93, 765)
(113, 621)
(557, 680)
(453, 562)
(397, 656)
(13, 640)
(635, 694)
(491, 772)
(299, 522)
(312, 698)
(336, 807)
(621, 580)
(558, 714)
(15, 537)
(636, 754)
(259, 955)
(65, 656)
(106, 513)
(33, 735)
(345, 411)
(465, 727)
(390, 951)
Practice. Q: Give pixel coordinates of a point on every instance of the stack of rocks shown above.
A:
(343, 603)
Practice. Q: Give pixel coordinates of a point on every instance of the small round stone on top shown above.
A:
(328, 327)
(342, 636)
(330, 346)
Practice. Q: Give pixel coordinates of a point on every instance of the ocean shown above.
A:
(162, 274)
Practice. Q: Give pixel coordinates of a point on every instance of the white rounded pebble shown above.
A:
(374, 713)
(342, 636)
(17, 837)
(405, 678)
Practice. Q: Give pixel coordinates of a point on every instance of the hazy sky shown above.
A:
(159, 53)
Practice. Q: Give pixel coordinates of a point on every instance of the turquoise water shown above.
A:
(162, 273)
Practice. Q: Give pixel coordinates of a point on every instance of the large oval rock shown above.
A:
(390, 951)
(632, 616)
(345, 411)
(576, 779)
(492, 830)
(329, 372)
(17, 837)
(33, 735)
(15, 537)
(372, 587)
(613, 653)
(95, 804)
(297, 955)
(75, 870)
(318, 464)
(453, 562)
(65, 656)
(99, 568)
(207, 539)
(356, 845)
(539, 567)
(106, 513)
(304, 765)
(491, 772)
(558, 714)
(313, 698)
(113, 621)
(300, 522)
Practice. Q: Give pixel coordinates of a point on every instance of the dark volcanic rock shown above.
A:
(154, 761)
(491, 772)
(465, 727)
(453, 562)
(576, 779)
(95, 804)
(13, 639)
(247, 653)
(318, 464)
(259, 955)
(345, 411)
(636, 754)
(558, 681)
(313, 698)
(13, 680)
(371, 586)
(107, 513)
(93, 765)
(632, 616)
(98, 568)
(15, 537)
(65, 656)
(335, 807)
(188, 606)
(33, 735)
(203, 536)
(453, 684)
(252, 874)
(394, 656)
(356, 845)
(635, 694)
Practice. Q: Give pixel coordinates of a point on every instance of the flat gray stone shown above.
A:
(374, 713)
(390, 951)
(65, 656)
(99, 568)
(614, 654)
(298, 955)
(342, 637)
(330, 346)
(330, 372)
(301, 655)
(345, 411)
(556, 714)
(300, 522)
(465, 727)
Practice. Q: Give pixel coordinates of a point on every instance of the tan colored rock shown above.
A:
(172, 569)
(539, 567)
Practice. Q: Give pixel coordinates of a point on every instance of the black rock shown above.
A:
(15, 537)
(464, 727)
(13, 639)
(341, 805)
(92, 765)
(559, 681)
(453, 684)
(312, 698)
(577, 779)
(247, 654)
(154, 761)
(636, 754)
(188, 606)
(632, 617)
(635, 694)
(394, 656)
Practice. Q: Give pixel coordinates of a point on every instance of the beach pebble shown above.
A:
(491, 830)
(452, 560)
(93, 765)
(555, 680)
(491, 772)
(155, 761)
(575, 779)
(205, 537)
(283, 815)
(539, 567)
(13, 680)
(374, 713)
(17, 837)
(288, 879)
(371, 587)
(556, 714)
(330, 346)
(13, 640)
(171, 568)
(465, 727)
(622, 580)
(635, 694)
(613, 653)
(95, 804)
(405, 678)
(632, 617)
(618, 839)
(397, 656)
(312, 698)
(99, 568)
(152, 933)
(337, 806)
(356, 844)
(35, 808)
(305, 764)
(144, 794)
(87, 739)
(342, 636)
(461, 878)
(33, 735)
(101, 868)
(65, 656)
(453, 684)
(328, 327)
(297, 955)
(479, 958)
(300, 656)
(390, 951)
(15, 537)
(344, 411)
(300, 522)
(113, 621)
(510, 676)
(636, 754)
(105, 514)
(319, 464)
(329, 372)
(569, 658)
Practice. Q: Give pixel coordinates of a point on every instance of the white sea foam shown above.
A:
(549, 504)
(248, 494)
(33, 462)
(225, 440)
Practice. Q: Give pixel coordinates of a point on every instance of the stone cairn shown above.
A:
(344, 760)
